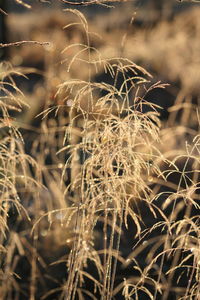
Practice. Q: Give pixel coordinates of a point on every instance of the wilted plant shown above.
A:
(16, 179)
(103, 166)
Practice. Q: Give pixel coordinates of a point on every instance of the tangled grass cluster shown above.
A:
(100, 200)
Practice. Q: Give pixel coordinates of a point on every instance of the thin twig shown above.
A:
(22, 43)
(86, 3)
(3, 11)
(24, 4)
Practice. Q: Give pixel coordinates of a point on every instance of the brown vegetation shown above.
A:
(99, 190)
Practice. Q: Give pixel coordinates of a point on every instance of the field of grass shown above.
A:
(100, 151)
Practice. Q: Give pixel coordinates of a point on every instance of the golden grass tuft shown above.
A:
(99, 196)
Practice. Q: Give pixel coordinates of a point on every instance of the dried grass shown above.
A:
(100, 166)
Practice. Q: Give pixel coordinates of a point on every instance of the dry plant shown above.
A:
(101, 168)
(17, 171)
